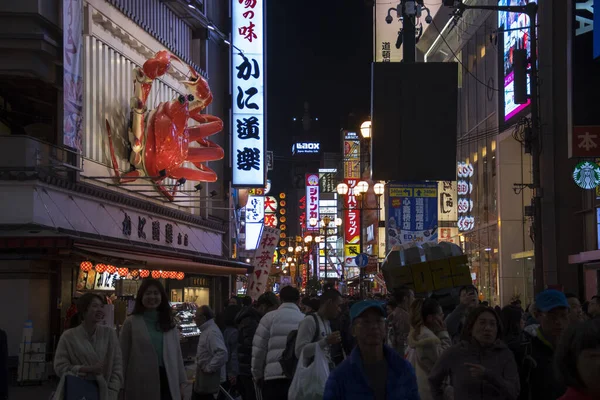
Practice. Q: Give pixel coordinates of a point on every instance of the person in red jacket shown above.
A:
(577, 361)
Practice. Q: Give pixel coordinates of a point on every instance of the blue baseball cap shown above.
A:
(358, 308)
(550, 299)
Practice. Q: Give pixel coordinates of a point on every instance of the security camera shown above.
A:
(428, 19)
(389, 19)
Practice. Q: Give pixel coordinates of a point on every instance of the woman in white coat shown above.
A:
(90, 351)
(152, 358)
(427, 340)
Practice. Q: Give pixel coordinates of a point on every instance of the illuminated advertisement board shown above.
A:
(306, 148)
(312, 200)
(248, 81)
(515, 27)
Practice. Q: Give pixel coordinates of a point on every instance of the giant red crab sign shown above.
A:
(160, 138)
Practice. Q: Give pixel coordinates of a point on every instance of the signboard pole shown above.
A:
(409, 39)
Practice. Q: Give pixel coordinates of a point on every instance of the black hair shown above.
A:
(84, 302)
(401, 293)
(165, 316)
(571, 296)
(467, 288)
(511, 317)
(420, 309)
(207, 312)
(467, 333)
(578, 337)
(247, 301)
(268, 298)
(329, 294)
(289, 294)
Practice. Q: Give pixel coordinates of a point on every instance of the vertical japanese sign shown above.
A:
(263, 260)
(248, 143)
(386, 34)
(271, 211)
(412, 213)
(466, 221)
(351, 224)
(72, 73)
(312, 200)
(351, 155)
(255, 216)
(448, 201)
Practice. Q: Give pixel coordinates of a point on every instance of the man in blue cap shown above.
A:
(553, 314)
(373, 370)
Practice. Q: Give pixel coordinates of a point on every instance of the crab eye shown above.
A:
(181, 99)
(190, 97)
(193, 78)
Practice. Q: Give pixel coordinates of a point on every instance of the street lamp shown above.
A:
(312, 222)
(379, 188)
(365, 129)
(290, 249)
(360, 188)
(338, 222)
(342, 189)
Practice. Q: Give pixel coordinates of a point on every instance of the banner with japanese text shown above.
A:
(386, 34)
(351, 224)
(263, 260)
(249, 130)
(312, 200)
(412, 213)
(448, 210)
(271, 211)
(254, 221)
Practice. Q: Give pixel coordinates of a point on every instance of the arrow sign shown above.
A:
(361, 260)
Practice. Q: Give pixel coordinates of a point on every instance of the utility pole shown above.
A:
(409, 41)
(533, 137)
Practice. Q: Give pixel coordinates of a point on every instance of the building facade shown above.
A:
(68, 72)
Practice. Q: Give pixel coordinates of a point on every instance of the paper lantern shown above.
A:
(135, 273)
(155, 274)
(180, 276)
(111, 269)
(100, 268)
(86, 266)
(172, 274)
(123, 271)
(282, 195)
(144, 273)
(164, 274)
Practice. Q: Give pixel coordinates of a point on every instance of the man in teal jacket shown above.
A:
(373, 371)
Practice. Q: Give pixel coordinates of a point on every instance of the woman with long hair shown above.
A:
(427, 340)
(90, 351)
(577, 361)
(480, 366)
(152, 358)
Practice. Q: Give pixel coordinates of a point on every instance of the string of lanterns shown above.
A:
(87, 266)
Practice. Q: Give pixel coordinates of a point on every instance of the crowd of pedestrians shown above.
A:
(333, 347)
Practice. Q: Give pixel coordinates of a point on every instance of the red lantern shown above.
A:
(122, 271)
(155, 274)
(180, 276)
(111, 269)
(144, 273)
(135, 273)
(100, 268)
(172, 274)
(164, 274)
(86, 266)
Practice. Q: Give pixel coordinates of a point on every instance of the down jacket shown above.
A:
(499, 382)
(427, 349)
(270, 340)
(247, 321)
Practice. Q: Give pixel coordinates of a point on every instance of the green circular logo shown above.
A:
(587, 175)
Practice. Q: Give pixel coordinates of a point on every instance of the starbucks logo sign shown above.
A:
(587, 175)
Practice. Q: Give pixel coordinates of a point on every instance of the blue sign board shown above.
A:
(412, 213)
(361, 260)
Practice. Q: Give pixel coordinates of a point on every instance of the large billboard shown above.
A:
(412, 213)
(248, 97)
(515, 27)
(351, 224)
(386, 35)
(312, 200)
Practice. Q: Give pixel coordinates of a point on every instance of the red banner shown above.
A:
(351, 214)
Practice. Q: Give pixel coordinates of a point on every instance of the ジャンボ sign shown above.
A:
(248, 144)
(312, 200)
(586, 141)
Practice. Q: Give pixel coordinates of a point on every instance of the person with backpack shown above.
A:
(315, 329)
(270, 341)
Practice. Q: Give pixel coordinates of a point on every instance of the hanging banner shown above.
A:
(248, 144)
(464, 189)
(271, 211)
(263, 260)
(447, 210)
(72, 73)
(386, 34)
(312, 200)
(351, 225)
(351, 155)
(255, 217)
(412, 213)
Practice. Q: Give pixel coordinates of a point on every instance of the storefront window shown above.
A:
(198, 295)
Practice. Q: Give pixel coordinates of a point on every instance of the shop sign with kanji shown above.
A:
(585, 141)
(312, 200)
(248, 144)
(263, 260)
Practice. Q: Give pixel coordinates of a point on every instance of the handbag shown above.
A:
(77, 388)
(310, 378)
(206, 383)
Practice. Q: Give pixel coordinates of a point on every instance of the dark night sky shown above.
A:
(317, 51)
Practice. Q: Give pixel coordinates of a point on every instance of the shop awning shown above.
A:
(585, 257)
(199, 265)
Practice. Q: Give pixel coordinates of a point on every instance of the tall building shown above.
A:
(66, 73)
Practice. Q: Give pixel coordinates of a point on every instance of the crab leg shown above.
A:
(204, 174)
(212, 153)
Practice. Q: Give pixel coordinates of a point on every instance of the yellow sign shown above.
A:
(431, 275)
(413, 192)
(351, 250)
(400, 192)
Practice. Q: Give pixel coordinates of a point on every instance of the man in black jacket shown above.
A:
(3, 366)
(553, 315)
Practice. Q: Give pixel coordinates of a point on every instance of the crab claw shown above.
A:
(159, 64)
